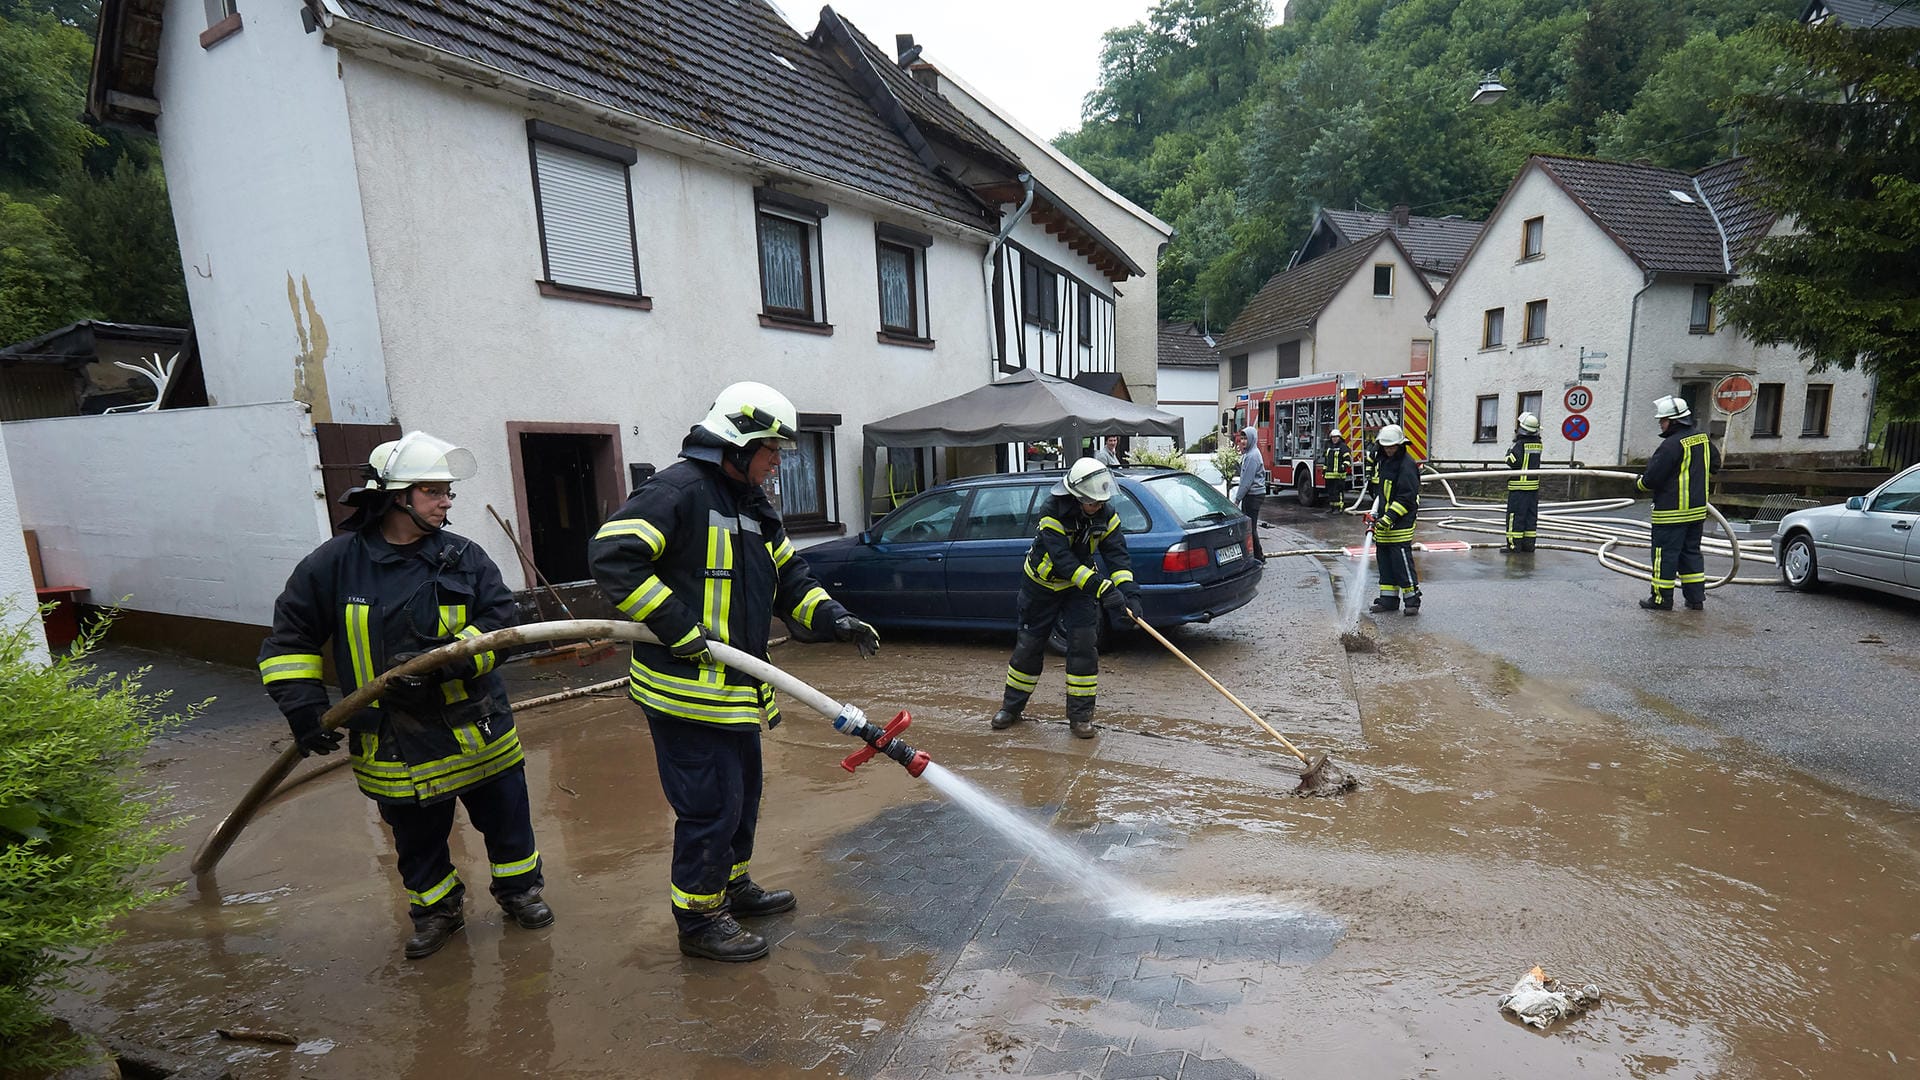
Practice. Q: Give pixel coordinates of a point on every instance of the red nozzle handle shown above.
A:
(861, 756)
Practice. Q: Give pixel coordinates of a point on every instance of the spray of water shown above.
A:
(1358, 576)
(1122, 899)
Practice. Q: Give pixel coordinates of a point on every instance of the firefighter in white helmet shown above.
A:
(699, 553)
(1396, 503)
(1064, 586)
(1523, 492)
(393, 584)
(1680, 476)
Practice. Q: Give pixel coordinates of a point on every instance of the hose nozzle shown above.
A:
(880, 741)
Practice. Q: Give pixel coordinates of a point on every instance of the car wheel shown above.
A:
(1303, 488)
(1799, 566)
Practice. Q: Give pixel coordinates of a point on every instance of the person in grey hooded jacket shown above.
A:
(1253, 482)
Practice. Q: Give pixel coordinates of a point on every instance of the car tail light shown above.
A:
(1246, 542)
(1180, 558)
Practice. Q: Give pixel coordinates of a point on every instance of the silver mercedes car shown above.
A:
(1868, 541)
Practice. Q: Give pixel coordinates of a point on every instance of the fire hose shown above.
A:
(847, 719)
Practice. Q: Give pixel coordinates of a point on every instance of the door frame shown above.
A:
(607, 477)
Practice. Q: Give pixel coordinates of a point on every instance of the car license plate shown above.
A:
(1228, 554)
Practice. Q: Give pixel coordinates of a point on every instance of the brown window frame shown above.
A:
(1826, 411)
(823, 426)
(1237, 372)
(1484, 432)
(808, 215)
(1031, 271)
(1769, 402)
(1694, 325)
(1533, 237)
(1527, 327)
(913, 256)
(1487, 339)
(1083, 312)
(767, 307)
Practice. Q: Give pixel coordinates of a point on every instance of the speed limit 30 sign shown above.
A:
(1578, 399)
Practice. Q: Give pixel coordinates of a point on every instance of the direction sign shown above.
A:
(1574, 427)
(1734, 394)
(1579, 399)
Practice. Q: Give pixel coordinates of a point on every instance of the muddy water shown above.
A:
(1739, 922)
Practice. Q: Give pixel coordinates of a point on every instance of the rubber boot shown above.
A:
(748, 901)
(1412, 605)
(526, 908)
(1080, 720)
(725, 940)
(1384, 604)
(1657, 603)
(432, 929)
(1696, 605)
(1005, 719)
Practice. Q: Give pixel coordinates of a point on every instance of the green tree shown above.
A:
(43, 282)
(122, 227)
(1844, 286)
(77, 835)
(43, 74)
(1682, 117)
(1612, 54)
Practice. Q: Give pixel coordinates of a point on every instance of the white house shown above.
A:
(553, 239)
(1585, 257)
(18, 600)
(1359, 307)
(1189, 377)
(1436, 244)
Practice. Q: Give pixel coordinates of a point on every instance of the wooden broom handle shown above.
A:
(1215, 683)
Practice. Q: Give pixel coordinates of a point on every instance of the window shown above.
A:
(1287, 361)
(1487, 419)
(1084, 313)
(1696, 395)
(1000, 513)
(1533, 238)
(924, 519)
(901, 256)
(1900, 496)
(1039, 293)
(1383, 279)
(1701, 321)
(1813, 422)
(791, 288)
(218, 9)
(1493, 328)
(1237, 372)
(1766, 410)
(223, 21)
(1420, 355)
(1133, 517)
(806, 476)
(584, 200)
(1529, 402)
(1536, 322)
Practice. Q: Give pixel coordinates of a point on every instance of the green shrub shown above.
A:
(77, 835)
(1171, 459)
(1227, 460)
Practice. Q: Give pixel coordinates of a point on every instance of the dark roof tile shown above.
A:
(1436, 244)
(1659, 217)
(1183, 345)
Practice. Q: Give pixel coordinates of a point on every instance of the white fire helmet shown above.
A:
(1671, 408)
(1088, 481)
(418, 458)
(1391, 435)
(749, 411)
(1529, 423)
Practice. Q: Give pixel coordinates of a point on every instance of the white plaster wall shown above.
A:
(200, 512)
(253, 133)
(1057, 351)
(1588, 283)
(1193, 395)
(1358, 331)
(17, 598)
(469, 351)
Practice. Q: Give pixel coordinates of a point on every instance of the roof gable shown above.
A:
(1293, 298)
(1435, 245)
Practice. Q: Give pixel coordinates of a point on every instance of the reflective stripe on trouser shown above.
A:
(1678, 560)
(1397, 575)
(1336, 490)
(1523, 519)
(498, 808)
(1040, 611)
(711, 776)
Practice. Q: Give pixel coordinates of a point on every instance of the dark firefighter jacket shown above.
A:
(1679, 474)
(373, 602)
(692, 549)
(1062, 554)
(1336, 459)
(1397, 479)
(1526, 454)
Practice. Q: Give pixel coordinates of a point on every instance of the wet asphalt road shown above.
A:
(1830, 682)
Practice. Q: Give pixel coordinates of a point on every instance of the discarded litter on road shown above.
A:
(1540, 1002)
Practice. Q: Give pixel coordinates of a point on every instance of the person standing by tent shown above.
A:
(1063, 587)
(699, 552)
(1253, 482)
(1523, 492)
(392, 585)
(1396, 503)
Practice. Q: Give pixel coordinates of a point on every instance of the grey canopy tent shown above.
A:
(1023, 407)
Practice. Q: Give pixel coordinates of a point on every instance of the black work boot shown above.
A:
(431, 930)
(1082, 725)
(1657, 603)
(527, 908)
(1005, 719)
(748, 900)
(725, 940)
(1385, 603)
(1696, 605)
(1412, 606)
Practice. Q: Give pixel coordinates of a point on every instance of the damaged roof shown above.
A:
(1436, 244)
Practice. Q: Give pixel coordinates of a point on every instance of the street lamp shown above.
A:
(1490, 90)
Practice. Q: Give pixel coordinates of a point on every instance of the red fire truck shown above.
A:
(1292, 416)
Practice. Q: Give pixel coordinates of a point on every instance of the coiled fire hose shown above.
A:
(847, 719)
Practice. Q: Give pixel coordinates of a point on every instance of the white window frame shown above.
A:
(1528, 337)
(916, 245)
(1533, 238)
(1486, 418)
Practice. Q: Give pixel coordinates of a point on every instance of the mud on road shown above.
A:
(1740, 920)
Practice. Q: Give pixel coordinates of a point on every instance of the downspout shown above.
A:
(993, 252)
(1626, 376)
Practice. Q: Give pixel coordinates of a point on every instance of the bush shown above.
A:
(1171, 459)
(77, 838)
(1227, 460)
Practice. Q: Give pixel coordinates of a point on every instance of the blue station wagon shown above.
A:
(951, 557)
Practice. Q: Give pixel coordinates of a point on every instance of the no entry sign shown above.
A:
(1578, 399)
(1734, 394)
(1574, 428)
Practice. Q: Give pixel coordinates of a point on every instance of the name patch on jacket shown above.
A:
(716, 572)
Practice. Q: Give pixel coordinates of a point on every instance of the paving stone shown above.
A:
(1165, 1064)
(1160, 965)
(1079, 1060)
(918, 1054)
(1098, 987)
(1215, 993)
(1057, 963)
(1127, 945)
(1149, 992)
(1217, 970)
(1174, 1018)
(976, 958)
(1077, 1036)
(1119, 967)
(1216, 1069)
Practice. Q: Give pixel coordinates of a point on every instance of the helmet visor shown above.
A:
(754, 423)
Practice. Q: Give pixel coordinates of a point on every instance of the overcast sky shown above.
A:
(1036, 59)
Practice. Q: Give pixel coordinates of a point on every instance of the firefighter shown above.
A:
(1523, 492)
(1063, 586)
(1336, 460)
(395, 583)
(1396, 503)
(1679, 474)
(699, 552)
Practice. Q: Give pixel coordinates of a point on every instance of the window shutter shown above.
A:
(587, 220)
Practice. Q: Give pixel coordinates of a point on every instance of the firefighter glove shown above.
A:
(864, 637)
(308, 734)
(693, 648)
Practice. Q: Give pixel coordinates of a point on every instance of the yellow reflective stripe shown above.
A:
(452, 618)
(782, 552)
(1679, 517)
(702, 689)
(739, 871)
(646, 599)
(1020, 680)
(687, 710)
(513, 869)
(464, 772)
(1393, 536)
(1119, 577)
(1081, 575)
(1082, 685)
(638, 527)
(437, 893)
(809, 604)
(1397, 508)
(719, 590)
(453, 690)
(1039, 576)
(359, 645)
(690, 901)
(290, 666)
(1051, 522)
(482, 662)
(473, 749)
